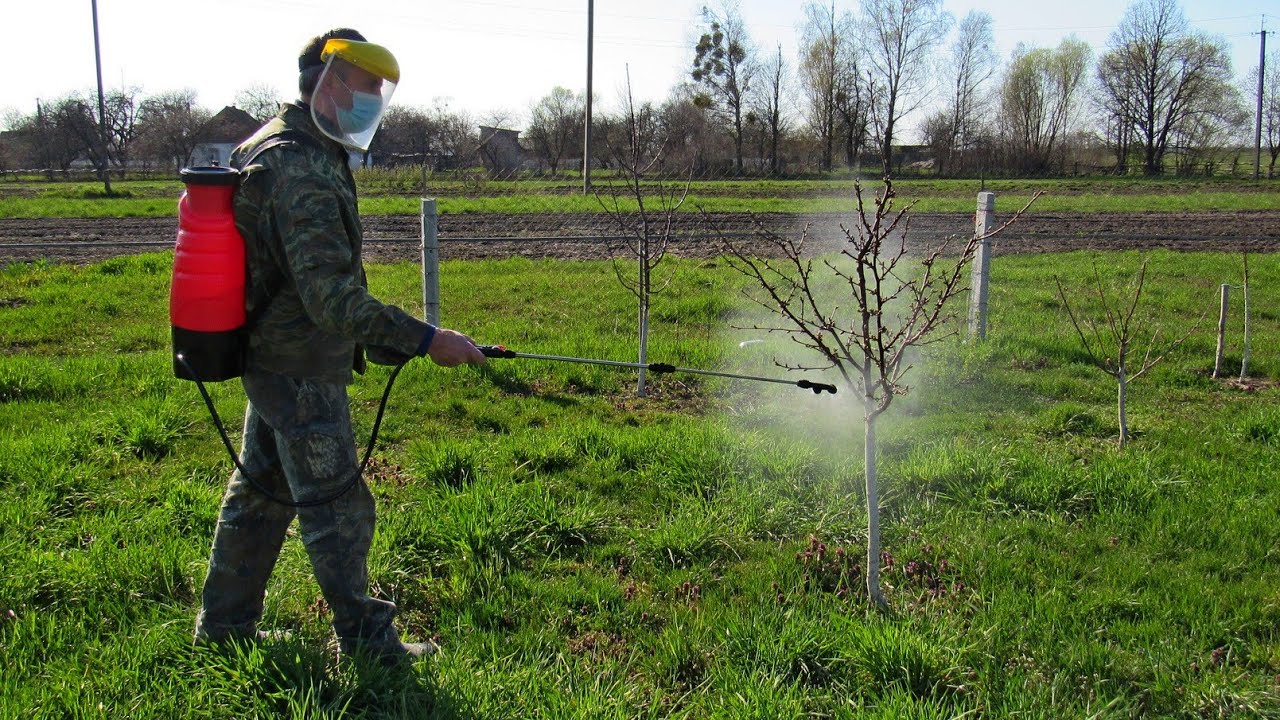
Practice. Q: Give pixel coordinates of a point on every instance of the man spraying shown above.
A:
(311, 320)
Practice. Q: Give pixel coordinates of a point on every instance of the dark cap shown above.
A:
(310, 55)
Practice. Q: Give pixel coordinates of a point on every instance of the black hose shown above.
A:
(235, 458)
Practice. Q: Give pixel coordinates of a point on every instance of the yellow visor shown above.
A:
(367, 56)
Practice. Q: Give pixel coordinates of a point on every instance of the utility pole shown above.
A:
(103, 171)
(1262, 70)
(586, 134)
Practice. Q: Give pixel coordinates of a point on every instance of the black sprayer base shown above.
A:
(213, 356)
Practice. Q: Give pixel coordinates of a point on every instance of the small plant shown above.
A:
(1110, 340)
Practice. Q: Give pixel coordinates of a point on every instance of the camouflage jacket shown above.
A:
(306, 295)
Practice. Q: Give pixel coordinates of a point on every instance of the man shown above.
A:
(310, 317)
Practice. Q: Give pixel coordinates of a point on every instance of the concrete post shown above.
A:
(984, 222)
(430, 262)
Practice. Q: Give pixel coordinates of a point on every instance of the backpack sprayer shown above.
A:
(207, 311)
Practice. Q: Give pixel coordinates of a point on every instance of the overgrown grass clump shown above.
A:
(580, 552)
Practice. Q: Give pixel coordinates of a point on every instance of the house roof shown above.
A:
(230, 125)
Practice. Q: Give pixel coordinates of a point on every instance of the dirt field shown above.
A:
(394, 238)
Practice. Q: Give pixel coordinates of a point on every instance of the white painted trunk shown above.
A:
(1120, 401)
(873, 500)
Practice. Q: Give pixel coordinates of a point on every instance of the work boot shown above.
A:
(387, 648)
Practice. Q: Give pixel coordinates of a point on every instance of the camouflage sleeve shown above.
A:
(319, 257)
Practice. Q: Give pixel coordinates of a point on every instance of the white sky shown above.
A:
(478, 55)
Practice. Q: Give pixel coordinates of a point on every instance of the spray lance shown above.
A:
(500, 351)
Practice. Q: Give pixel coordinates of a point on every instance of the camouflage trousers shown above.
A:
(297, 443)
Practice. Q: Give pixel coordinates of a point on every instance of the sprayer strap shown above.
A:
(288, 136)
(285, 138)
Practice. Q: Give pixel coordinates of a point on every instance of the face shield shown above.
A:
(353, 91)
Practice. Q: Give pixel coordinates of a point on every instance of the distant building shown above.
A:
(500, 150)
(224, 131)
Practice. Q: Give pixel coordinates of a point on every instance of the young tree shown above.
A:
(647, 229)
(1038, 98)
(555, 126)
(724, 67)
(1159, 76)
(1110, 337)
(899, 36)
(894, 304)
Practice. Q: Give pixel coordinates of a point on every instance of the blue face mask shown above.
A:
(363, 113)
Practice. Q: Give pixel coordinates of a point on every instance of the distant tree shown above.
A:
(122, 125)
(689, 135)
(555, 126)
(724, 67)
(1159, 76)
(1038, 101)
(899, 36)
(169, 126)
(76, 120)
(769, 108)
(260, 100)
(434, 137)
(1271, 110)
(829, 74)
(971, 63)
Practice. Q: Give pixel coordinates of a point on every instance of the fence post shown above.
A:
(430, 262)
(1222, 332)
(980, 276)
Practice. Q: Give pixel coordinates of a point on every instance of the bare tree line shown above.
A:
(1161, 98)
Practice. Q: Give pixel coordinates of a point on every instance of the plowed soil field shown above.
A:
(395, 238)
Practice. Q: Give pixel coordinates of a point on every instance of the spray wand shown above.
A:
(500, 351)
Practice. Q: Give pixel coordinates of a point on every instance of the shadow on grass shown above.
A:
(296, 678)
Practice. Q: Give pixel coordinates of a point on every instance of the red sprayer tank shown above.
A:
(206, 299)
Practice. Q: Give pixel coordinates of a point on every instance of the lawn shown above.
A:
(581, 552)
(397, 193)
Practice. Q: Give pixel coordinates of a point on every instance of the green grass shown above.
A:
(580, 552)
(384, 193)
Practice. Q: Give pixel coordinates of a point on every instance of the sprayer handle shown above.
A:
(817, 388)
(496, 351)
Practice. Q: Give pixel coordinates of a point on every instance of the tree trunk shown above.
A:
(1121, 399)
(873, 502)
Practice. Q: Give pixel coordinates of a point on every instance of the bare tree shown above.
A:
(1110, 336)
(724, 67)
(1038, 98)
(260, 100)
(77, 122)
(972, 62)
(1158, 75)
(647, 227)
(555, 125)
(897, 304)
(770, 108)
(899, 35)
(169, 125)
(829, 71)
(122, 125)
(1271, 110)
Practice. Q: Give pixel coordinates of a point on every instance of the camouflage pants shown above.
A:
(298, 443)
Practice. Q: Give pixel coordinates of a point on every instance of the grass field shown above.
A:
(583, 553)
(387, 193)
